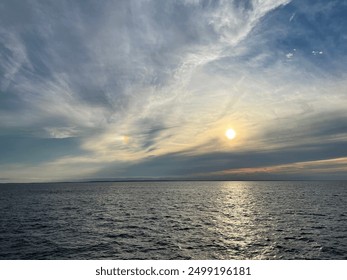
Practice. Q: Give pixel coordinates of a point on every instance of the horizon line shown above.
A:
(172, 180)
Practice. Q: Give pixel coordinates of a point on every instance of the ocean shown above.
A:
(174, 220)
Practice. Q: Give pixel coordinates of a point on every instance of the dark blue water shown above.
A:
(174, 220)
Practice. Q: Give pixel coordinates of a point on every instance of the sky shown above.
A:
(146, 89)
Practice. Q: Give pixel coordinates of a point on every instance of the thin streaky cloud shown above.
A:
(114, 89)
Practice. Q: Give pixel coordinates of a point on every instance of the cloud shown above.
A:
(313, 128)
(61, 132)
(132, 82)
(104, 61)
(301, 147)
(317, 170)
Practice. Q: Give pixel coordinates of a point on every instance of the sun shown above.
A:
(230, 134)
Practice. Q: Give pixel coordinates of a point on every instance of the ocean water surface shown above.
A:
(174, 220)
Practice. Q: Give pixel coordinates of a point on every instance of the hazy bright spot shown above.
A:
(125, 139)
(230, 134)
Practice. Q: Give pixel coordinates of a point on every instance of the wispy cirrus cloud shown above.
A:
(133, 81)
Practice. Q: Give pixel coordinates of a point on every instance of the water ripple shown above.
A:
(174, 220)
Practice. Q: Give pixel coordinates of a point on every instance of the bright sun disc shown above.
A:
(230, 134)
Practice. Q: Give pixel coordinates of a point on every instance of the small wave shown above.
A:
(120, 235)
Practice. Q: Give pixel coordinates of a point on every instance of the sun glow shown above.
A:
(230, 134)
